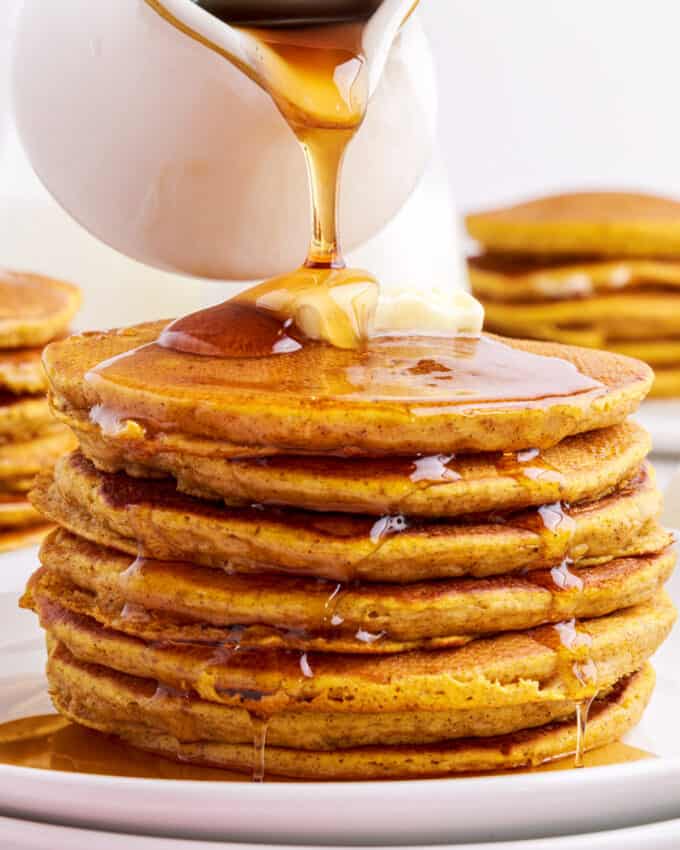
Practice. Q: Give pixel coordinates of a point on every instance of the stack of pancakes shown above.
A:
(599, 269)
(33, 311)
(424, 558)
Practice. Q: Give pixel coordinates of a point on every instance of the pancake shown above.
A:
(159, 600)
(658, 352)
(27, 458)
(611, 719)
(420, 395)
(26, 535)
(579, 468)
(666, 383)
(516, 279)
(546, 664)
(100, 698)
(21, 371)
(23, 416)
(16, 512)
(632, 316)
(152, 519)
(610, 224)
(34, 309)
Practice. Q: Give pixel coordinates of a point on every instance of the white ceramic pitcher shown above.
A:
(165, 151)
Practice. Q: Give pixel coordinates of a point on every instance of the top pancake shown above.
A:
(398, 396)
(601, 223)
(34, 309)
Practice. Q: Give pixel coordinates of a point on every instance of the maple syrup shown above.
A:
(572, 644)
(51, 742)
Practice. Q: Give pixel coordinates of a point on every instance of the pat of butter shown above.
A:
(433, 312)
(347, 306)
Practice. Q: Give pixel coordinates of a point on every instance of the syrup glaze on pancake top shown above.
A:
(361, 643)
(598, 269)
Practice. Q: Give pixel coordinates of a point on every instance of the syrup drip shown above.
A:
(582, 711)
(555, 528)
(434, 469)
(564, 578)
(386, 526)
(580, 671)
(260, 728)
(331, 617)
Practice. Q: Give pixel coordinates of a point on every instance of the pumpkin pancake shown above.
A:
(608, 224)
(160, 600)
(26, 535)
(657, 352)
(21, 371)
(513, 278)
(411, 395)
(34, 309)
(101, 698)
(16, 511)
(610, 719)
(570, 660)
(579, 468)
(666, 383)
(631, 316)
(152, 519)
(23, 416)
(26, 458)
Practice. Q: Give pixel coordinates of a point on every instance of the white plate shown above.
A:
(661, 417)
(28, 835)
(437, 811)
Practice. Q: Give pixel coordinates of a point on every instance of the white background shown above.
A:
(540, 95)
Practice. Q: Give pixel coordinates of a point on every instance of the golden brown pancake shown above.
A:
(611, 719)
(572, 660)
(579, 468)
(532, 278)
(632, 316)
(16, 511)
(26, 458)
(151, 518)
(96, 691)
(160, 600)
(666, 383)
(101, 698)
(27, 535)
(23, 416)
(34, 309)
(659, 353)
(600, 223)
(422, 395)
(21, 371)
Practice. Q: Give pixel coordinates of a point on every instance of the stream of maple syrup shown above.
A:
(317, 75)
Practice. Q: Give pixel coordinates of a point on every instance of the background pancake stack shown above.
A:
(425, 558)
(33, 311)
(599, 269)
